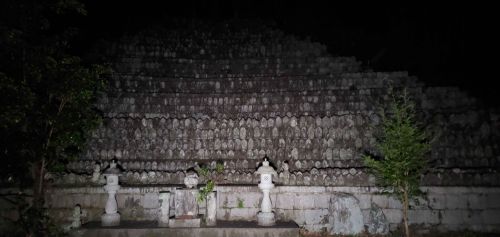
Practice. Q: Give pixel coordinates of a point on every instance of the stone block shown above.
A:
(380, 200)
(321, 200)
(386, 202)
(284, 215)
(58, 201)
(319, 228)
(437, 201)
(393, 203)
(491, 200)
(150, 201)
(453, 217)
(241, 214)
(303, 201)
(364, 201)
(474, 217)
(86, 201)
(299, 217)
(184, 223)
(419, 203)
(316, 216)
(393, 215)
(491, 217)
(456, 201)
(285, 201)
(253, 199)
(426, 217)
(149, 214)
(475, 201)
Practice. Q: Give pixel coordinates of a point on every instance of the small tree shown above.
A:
(204, 172)
(403, 145)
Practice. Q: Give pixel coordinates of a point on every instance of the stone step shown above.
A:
(223, 228)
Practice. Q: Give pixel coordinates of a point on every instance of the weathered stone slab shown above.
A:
(185, 202)
(345, 215)
(377, 223)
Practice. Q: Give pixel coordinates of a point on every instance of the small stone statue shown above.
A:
(77, 215)
(285, 173)
(97, 173)
(191, 179)
(144, 177)
(285, 167)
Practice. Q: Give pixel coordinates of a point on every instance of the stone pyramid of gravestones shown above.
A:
(234, 93)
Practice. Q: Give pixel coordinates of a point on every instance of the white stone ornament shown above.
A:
(111, 217)
(191, 180)
(266, 216)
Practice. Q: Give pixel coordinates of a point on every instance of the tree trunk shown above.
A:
(38, 179)
(41, 178)
(405, 212)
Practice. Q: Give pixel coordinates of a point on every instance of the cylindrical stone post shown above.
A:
(211, 219)
(266, 201)
(164, 214)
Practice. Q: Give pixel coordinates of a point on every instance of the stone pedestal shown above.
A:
(265, 219)
(186, 209)
(164, 215)
(111, 219)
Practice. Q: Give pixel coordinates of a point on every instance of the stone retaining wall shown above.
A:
(443, 208)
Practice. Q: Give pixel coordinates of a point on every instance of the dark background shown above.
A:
(427, 40)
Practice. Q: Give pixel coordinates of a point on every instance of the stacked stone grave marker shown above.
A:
(170, 105)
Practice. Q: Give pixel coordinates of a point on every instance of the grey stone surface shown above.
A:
(164, 212)
(296, 103)
(130, 199)
(240, 229)
(184, 223)
(377, 223)
(393, 215)
(185, 202)
(211, 213)
(345, 215)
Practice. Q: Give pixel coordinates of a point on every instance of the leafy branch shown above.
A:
(205, 171)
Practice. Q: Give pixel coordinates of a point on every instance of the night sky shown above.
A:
(427, 41)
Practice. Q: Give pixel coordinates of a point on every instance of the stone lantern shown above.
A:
(266, 216)
(111, 217)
